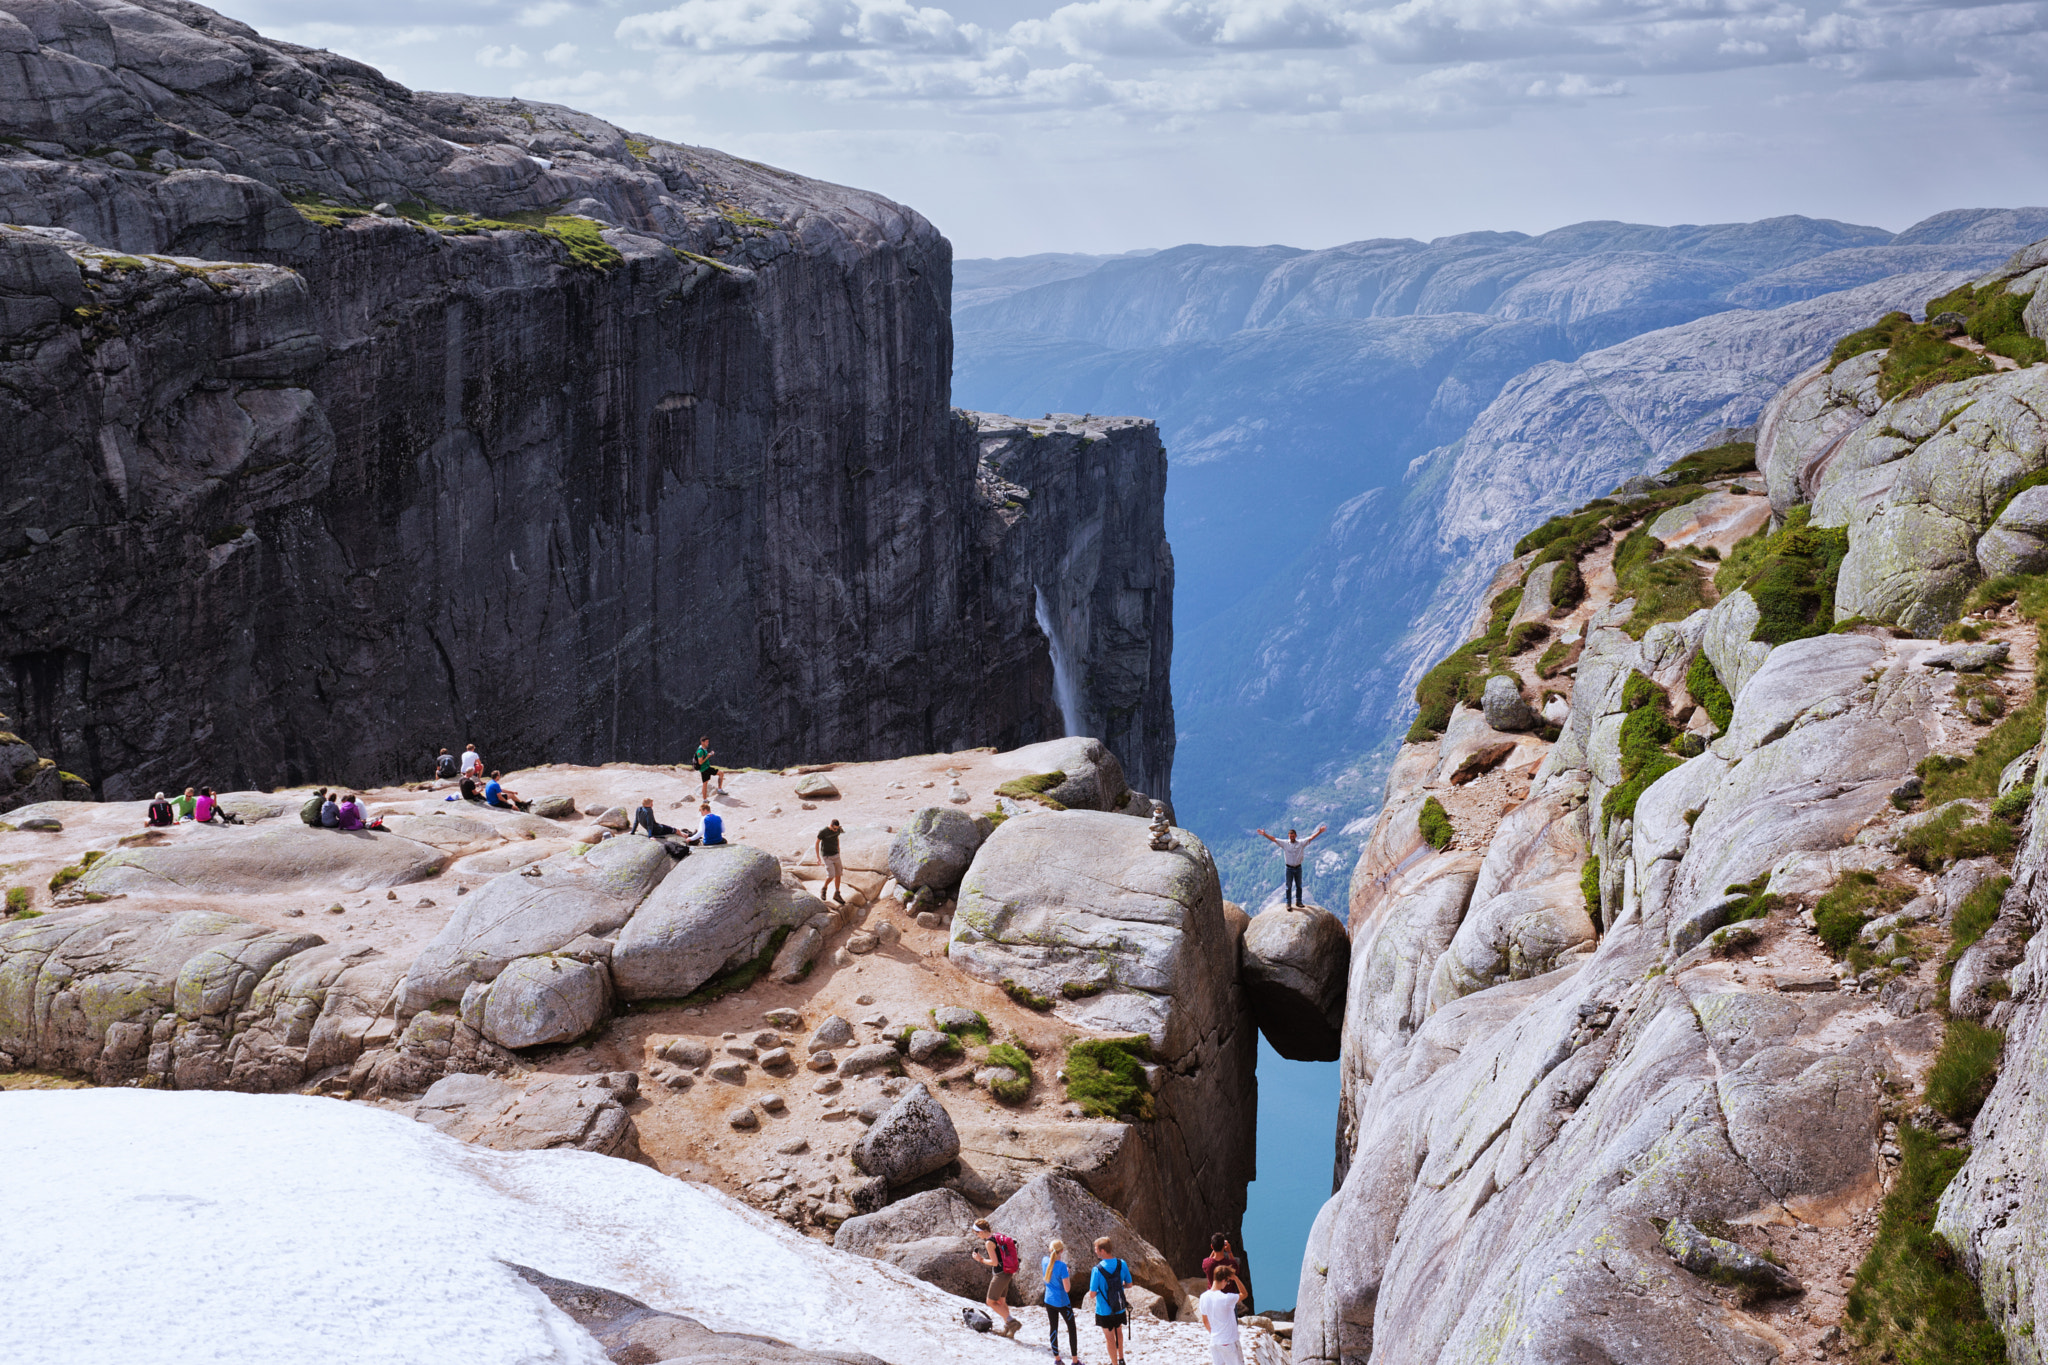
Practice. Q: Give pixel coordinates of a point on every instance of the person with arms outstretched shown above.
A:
(1293, 849)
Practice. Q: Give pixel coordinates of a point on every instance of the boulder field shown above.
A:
(1661, 981)
(524, 982)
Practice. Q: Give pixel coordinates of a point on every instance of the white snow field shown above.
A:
(217, 1228)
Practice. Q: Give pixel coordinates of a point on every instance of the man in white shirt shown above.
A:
(1292, 849)
(1218, 1308)
(472, 762)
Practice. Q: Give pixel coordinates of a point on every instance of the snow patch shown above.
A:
(217, 1228)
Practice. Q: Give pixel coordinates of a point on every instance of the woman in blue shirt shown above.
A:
(1059, 1303)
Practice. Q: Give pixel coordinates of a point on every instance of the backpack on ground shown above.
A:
(975, 1318)
(1113, 1285)
(1006, 1253)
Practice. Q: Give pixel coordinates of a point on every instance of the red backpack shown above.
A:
(1006, 1253)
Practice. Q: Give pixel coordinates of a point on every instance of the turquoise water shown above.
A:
(1297, 1149)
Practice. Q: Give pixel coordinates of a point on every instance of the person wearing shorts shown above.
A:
(705, 771)
(1218, 1311)
(1107, 1283)
(826, 849)
(992, 1254)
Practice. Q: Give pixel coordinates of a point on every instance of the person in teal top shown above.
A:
(1059, 1303)
(1106, 1282)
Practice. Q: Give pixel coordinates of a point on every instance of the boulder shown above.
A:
(926, 1235)
(199, 860)
(1091, 776)
(584, 1112)
(1723, 1261)
(870, 1057)
(935, 849)
(516, 915)
(618, 818)
(545, 999)
(1718, 517)
(913, 1137)
(925, 1044)
(715, 911)
(1294, 962)
(798, 954)
(1505, 707)
(628, 1330)
(816, 787)
(1050, 1206)
(554, 807)
(831, 1032)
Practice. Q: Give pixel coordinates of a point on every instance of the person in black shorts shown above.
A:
(826, 850)
(705, 772)
(1107, 1283)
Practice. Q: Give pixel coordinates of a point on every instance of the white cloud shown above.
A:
(801, 26)
(545, 13)
(510, 58)
(561, 54)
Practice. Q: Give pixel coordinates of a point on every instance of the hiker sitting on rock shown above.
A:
(644, 821)
(710, 826)
(330, 812)
(349, 813)
(310, 812)
(183, 805)
(160, 812)
(445, 767)
(495, 794)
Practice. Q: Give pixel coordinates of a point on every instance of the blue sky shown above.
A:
(1105, 125)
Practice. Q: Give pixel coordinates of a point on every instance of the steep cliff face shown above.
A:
(1654, 997)
(582, 446)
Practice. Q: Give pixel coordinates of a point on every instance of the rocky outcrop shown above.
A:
(913, 1137)
(925, 1235)
(1054, 1206)
(27, 778)
(1077, 910)
(231, 372)
(586, 1113)
(934, 849)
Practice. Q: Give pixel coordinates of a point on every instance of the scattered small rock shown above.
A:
(776, 1059)
(686, 1052)
(336, 910)
(863, 1000)
(732, 1073)
(829, 1086)
(953, 1018)
(390, 895)
(862, 942)
(742, 1050)
(293, 914)
(886, 934)
(742, 1117)
(834, 1032)
(816, 787)
(1713, 1257)
(926, 919)
(773, 1103)
(822, 1061)
(794, 1146)
(783, 1018)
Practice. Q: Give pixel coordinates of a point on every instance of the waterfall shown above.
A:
(1065, 688)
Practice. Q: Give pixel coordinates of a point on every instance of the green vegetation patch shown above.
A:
(1963, 1072)
(1913, 1303)
(1106, 1077)
(1034, 788)
(1589, 887)
(1644, 758)
(64, 876)
(1950, 837)
(1462, 675)
(1025, 996)
(1666, 584)
(1857, 899)
(1716, 462)
(1995, 320)
(976, 1032)
(1918, 356)
(1435, 824)
(1704, 685)
(17, 899)
(1019, 1061)
(1791, 573)
(1974, 917)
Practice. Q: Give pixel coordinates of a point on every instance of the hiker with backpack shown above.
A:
(446, 768)
(310, 812)
(999, 1253)
(1112, 1310)
(161, 812)
(1059, 1302)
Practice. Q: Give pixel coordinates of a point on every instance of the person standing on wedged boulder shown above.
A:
(825, 848)
(1293, 849)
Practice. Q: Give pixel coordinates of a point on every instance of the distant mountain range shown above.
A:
(1358, 435)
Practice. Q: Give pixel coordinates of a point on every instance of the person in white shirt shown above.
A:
(472, 762)
(1218, 1309)
(1292, 849)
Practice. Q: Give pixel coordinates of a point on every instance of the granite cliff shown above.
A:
(345, 421)
(1702, 899)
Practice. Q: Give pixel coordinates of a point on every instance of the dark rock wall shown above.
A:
(332, 489)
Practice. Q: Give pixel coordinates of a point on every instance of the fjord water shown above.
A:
(1297, 1150)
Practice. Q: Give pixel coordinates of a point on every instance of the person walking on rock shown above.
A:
(1059, 1302)
(999, 1253)
(1106, 1283)
(643, 820)
(1218, 1310)
(710, 826)
(705, 772)
(825, 848)
(1293, 849)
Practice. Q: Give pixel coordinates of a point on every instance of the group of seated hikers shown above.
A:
(336, 809)
(197, 806)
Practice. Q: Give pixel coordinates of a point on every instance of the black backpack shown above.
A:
(445, 766)
(1113, 1285)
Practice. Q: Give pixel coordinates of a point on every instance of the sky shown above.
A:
(1021, 126)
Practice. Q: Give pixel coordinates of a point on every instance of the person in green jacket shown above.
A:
(310, 812)
(183, 804)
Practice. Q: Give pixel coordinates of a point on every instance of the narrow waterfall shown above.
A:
(1065, 686)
